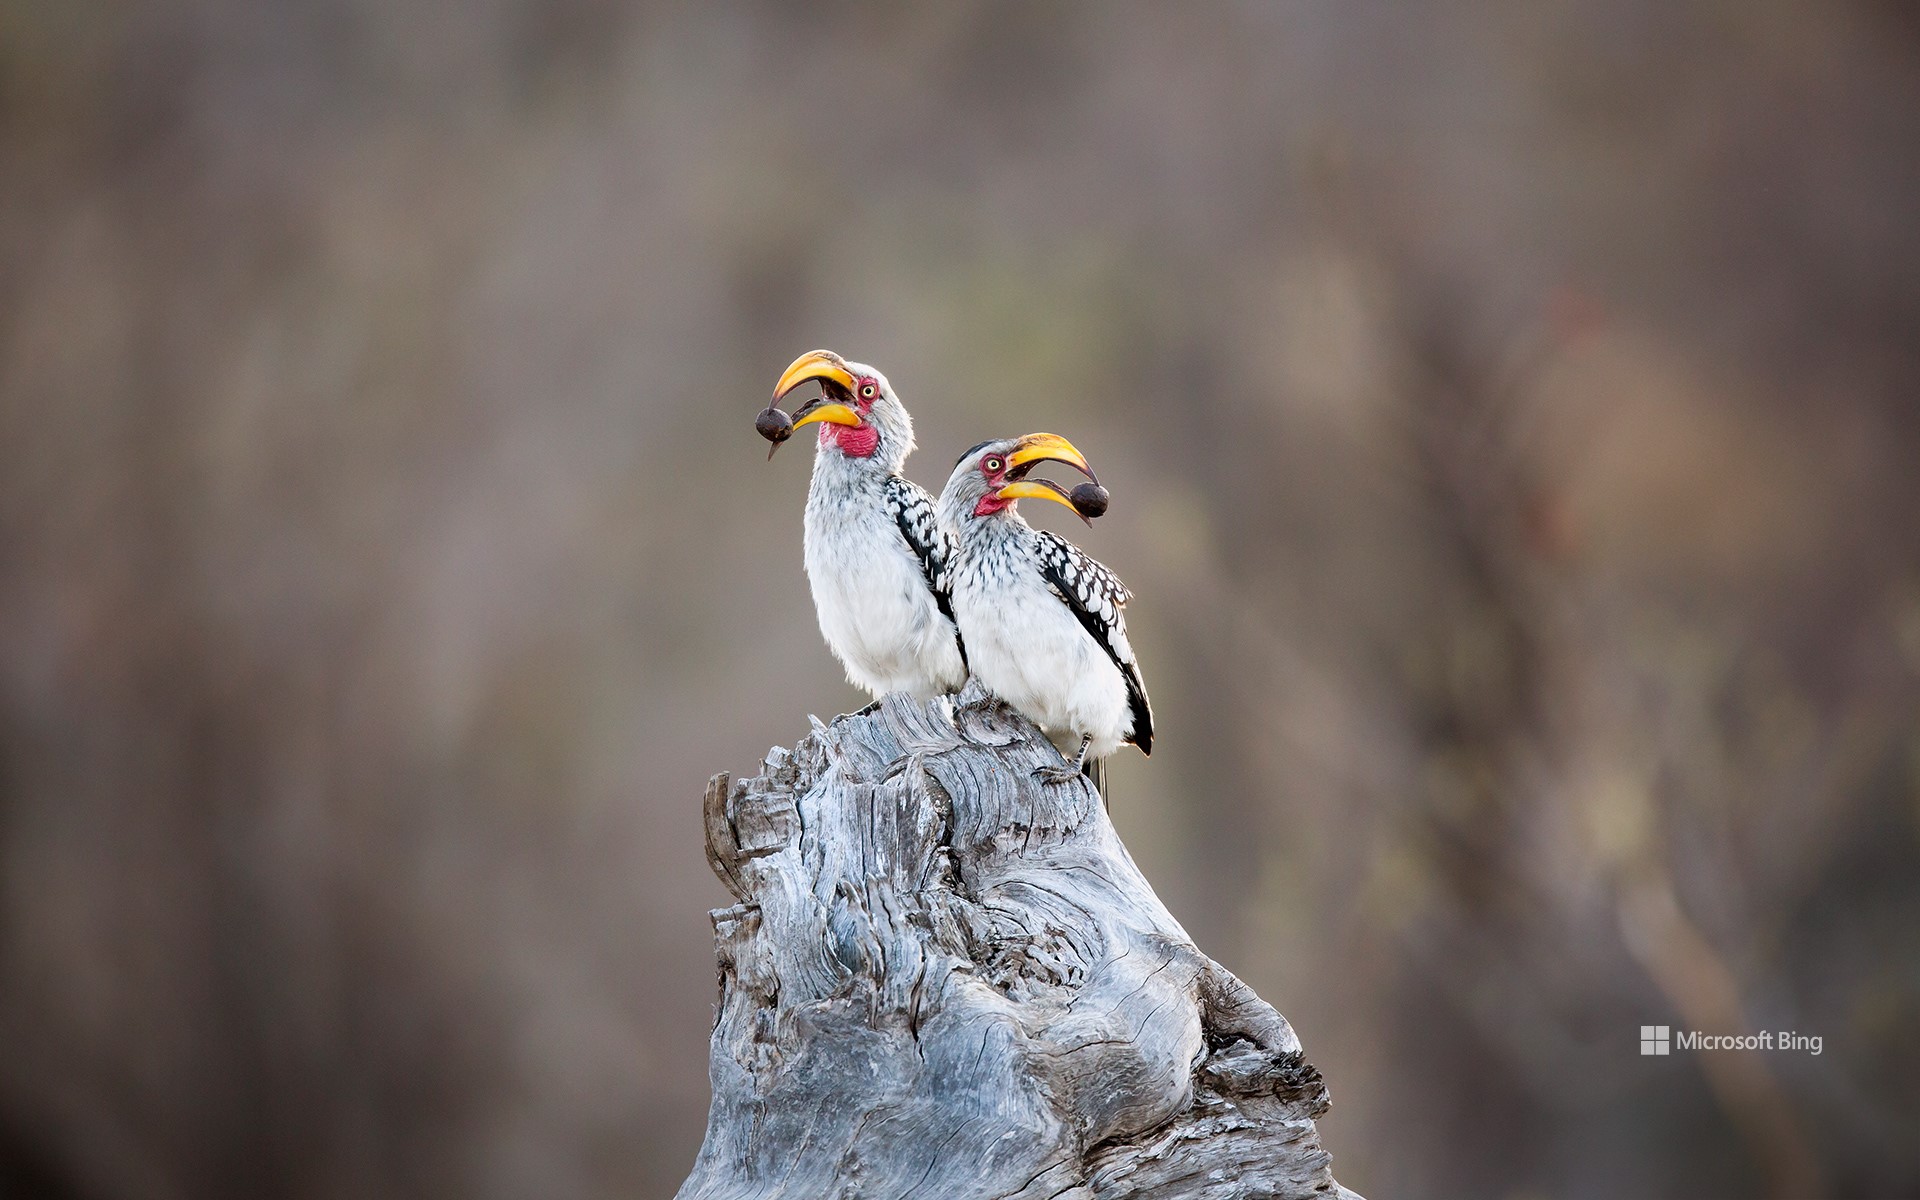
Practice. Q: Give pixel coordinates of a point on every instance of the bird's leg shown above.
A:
(1065, 774)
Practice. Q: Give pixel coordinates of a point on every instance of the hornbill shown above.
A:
(875, 554)
(1045, 626)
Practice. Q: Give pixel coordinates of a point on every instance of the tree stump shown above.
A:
(946, 979)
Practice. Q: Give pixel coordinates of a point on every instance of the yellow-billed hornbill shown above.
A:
(875, 554)
(1045, 625)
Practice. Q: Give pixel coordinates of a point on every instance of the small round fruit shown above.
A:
(774, 425)
(1089, 499)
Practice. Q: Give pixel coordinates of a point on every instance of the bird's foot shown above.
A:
(1052, 776)
(1068, 772)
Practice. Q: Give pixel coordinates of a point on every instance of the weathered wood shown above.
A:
(945, 979)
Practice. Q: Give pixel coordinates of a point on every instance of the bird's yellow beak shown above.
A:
(822, 409)
(831, 370)
(815, 364)
(1047, 447)
(1037, 448)
(1039, 489)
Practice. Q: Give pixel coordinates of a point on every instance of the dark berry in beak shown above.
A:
(775, 426)
(1089, 499)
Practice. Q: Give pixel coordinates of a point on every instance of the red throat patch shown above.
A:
(855, 441)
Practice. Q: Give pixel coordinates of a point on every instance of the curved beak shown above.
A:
(822, 409)
(815, 364)
(835, 381)
(1046, 447)
(1038, 448)
(1041, 489)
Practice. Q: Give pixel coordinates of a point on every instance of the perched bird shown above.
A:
(1045, 626)
(875, 554)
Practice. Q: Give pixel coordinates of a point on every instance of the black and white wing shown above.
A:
(1099, 599)
(913, 511)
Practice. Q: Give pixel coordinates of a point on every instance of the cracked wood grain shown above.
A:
(944, 979)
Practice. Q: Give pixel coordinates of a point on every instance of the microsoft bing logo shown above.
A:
(1661, 1039)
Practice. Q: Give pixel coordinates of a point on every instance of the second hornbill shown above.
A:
(875, 554)
(1045, 625)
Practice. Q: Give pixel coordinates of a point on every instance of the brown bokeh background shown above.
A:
(1512, 412)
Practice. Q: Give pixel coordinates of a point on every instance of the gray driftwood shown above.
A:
(947, 980)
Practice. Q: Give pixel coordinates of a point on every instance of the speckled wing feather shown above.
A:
(1099, 599)
(913, 511)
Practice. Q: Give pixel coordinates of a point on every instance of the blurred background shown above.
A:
(1511, 414)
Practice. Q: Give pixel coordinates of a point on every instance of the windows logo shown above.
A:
(1653, 1039)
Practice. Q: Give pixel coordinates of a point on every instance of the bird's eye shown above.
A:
(867, 390)
(993, 465)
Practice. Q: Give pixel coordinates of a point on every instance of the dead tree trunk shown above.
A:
(945, 979)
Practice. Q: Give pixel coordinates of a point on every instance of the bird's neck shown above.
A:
(836, 475)
(853, 441)
(1001, 531)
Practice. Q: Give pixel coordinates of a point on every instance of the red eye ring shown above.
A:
(993, 465)
(867, 390)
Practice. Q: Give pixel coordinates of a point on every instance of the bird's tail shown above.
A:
(1096, 770)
